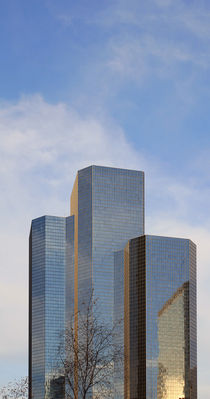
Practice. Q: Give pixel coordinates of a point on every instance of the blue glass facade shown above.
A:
(160, 275)
(69, 271)
(118, 214)
(109, 210)
(69, 257)
(50, 244)
(108, 206)
(149, 282)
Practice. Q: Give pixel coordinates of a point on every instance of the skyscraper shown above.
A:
(160, 318)
(49, 247)
(108, 206)
(149, 281)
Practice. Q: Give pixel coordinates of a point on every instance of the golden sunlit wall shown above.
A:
(173, 361)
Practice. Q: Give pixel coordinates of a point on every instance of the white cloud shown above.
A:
(43, 132)
(139, 56)
(13, 318)
(185, 197)
(163, 13)
(197, 21)
(156, 39)
(42, 145)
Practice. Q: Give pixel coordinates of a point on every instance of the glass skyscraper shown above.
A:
(108, 206)
(160, 318)
(148, 281)
(49, 249)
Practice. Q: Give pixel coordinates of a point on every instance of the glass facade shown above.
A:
(173, 361)
(149, 282)
(69, 271)
(160, 275)
(119, 316)
(50, 243)
(108, 204)
(69, 257)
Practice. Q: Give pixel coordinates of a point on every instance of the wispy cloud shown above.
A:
(196, 20)
(48, 140)
(159, 41)
(140, 57)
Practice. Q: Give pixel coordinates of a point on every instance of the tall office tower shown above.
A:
(50, 274)
(159, 283)
(108, 205)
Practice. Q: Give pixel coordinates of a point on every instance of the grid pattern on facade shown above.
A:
(119, 319)
(173, 339)
(117, 215)
(69, 277)
(193, 321)
(108, 205)
(47, 314)
(84, 235)
(168, 325)
(162, 318)
(55, 254)
(110, 210)
(148, 281)
(137, 306)
(37, 310)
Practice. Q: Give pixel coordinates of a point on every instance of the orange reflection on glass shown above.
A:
(173, 359)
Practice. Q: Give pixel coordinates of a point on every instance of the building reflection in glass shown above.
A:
(173, 359)
(160, 318)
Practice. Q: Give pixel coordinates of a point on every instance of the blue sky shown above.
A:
(144, 65)
(103, 82)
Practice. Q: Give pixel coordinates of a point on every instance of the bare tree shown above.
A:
(89, 354)
(15, 389)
